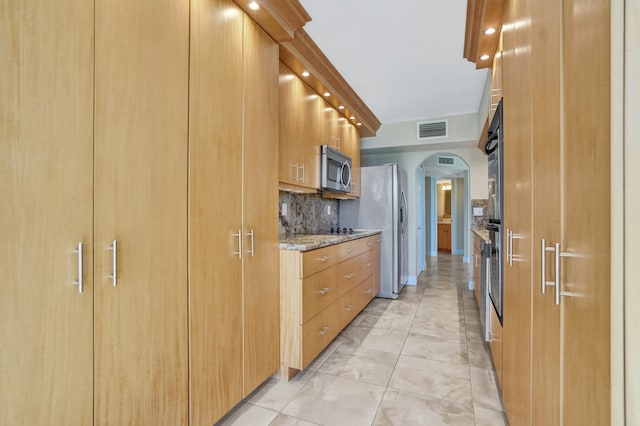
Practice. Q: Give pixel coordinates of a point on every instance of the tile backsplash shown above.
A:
(307, 214)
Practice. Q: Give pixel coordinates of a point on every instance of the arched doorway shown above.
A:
(442, 182)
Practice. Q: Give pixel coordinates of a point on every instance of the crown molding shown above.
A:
(482, 14)
(279, 18)
(301, 53)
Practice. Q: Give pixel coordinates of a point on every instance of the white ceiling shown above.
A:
(402, 57)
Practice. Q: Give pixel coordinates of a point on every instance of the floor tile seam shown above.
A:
(314, 373)
(439, 362)
(433, 397)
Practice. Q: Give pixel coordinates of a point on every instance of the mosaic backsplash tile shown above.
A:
(479, 222)
(307, 214)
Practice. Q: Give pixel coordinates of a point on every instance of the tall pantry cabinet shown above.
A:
(141, 113)
(516, 331)
(233, 179)
(557, 315)
(46, 182)
(108, 187)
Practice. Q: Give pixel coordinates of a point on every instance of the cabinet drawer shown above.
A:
(355, 247)
(318, 291)
(318, 332)
(355, 300)
(351, 272)
(319, 259)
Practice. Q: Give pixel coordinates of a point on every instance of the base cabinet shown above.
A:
(321, 292)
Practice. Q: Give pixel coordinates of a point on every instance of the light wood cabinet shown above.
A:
(317, 303)
(298, 123)
(307, 122)
(141, 123)
(517, 216)
(46, 182)
(233, 275)
(119, 354)
(551, 339)
(444, 237)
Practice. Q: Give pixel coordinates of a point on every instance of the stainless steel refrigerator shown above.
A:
(383, 205)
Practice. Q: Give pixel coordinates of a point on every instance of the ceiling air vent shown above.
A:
(432, 129)
(446, 161)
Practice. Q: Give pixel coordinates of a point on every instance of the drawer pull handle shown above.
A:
(324, 258)
(348, 250)
(369, 291)
(369, 265)
(324, 330)
(325, 290)
(348, 308)
(369, 243)
(348, 276)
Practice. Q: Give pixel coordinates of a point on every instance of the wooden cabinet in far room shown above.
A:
(444, 237)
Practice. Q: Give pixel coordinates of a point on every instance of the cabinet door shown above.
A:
(546, 173)
(215, 210)
(516, 343)
(46, 182)
(260, 214)
(292, 127)
(141, 202)
(585, 265)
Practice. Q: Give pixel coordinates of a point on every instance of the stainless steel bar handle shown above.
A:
(303, 174)
(239, 235)
(324, 258)
(114, 257)
(295, 166)
(510, 248)
(543, 262)
(506, 241)
(325, 330)
(325, 290)
(543, 267)
(557, 280)
(349, 276)
(80, 282)
(251, 234)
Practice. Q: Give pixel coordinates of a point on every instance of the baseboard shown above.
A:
(433, 254)
(412, 280)
(457, 252)
(471, 284)
(465, 259)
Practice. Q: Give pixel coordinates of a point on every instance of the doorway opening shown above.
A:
(444, 216)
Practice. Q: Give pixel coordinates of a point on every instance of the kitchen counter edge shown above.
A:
(306, 242)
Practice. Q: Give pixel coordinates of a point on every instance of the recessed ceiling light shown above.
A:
(305, 73)
(359, 124)
(489, 31)
(327, 94)
(253, 5)
(352, 117)
(341, 107)
(484, 57)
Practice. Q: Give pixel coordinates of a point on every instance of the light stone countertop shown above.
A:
(306, 242)
(482, 233)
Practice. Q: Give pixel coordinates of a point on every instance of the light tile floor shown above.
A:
(417, 360)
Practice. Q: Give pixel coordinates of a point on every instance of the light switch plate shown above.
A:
(328, 210)
(477, 211)
(283, 210)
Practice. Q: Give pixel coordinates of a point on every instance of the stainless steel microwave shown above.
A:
(335, 170)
